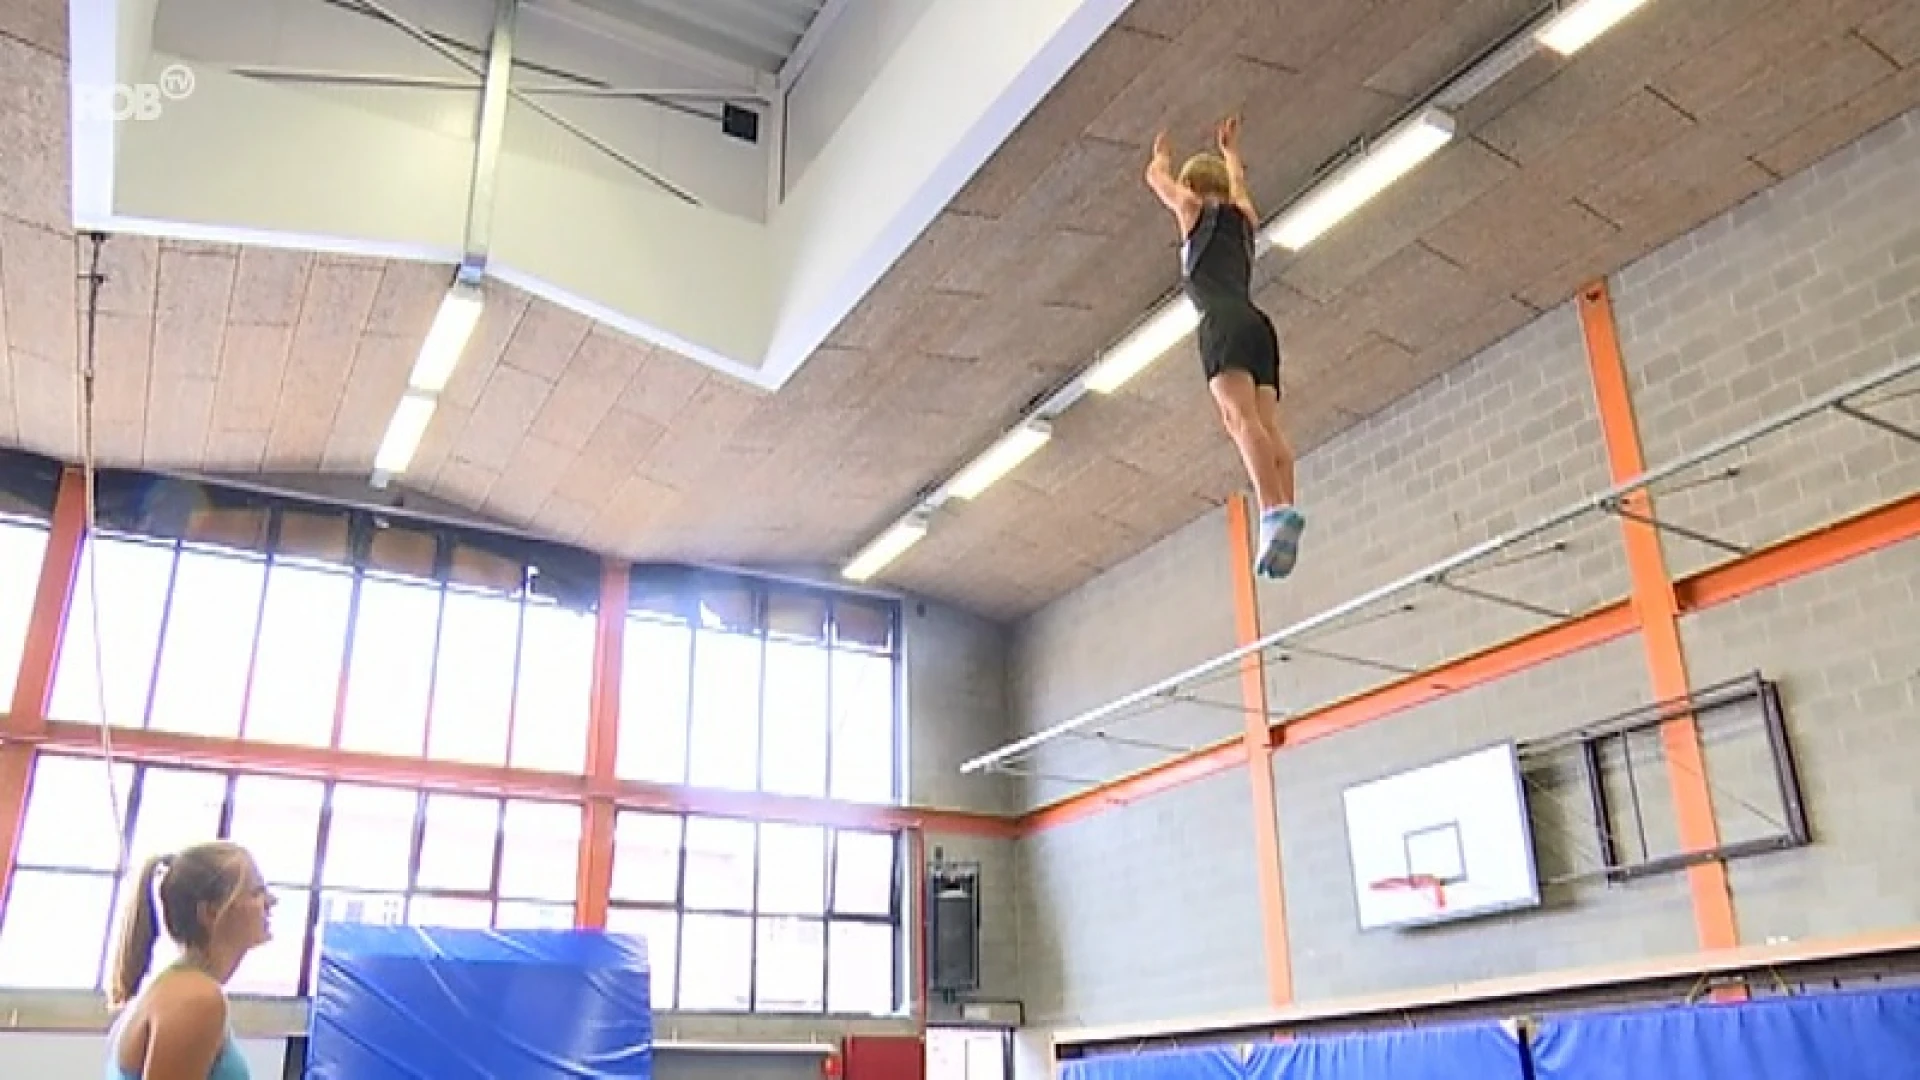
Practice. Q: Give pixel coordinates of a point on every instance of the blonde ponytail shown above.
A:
(134, 941)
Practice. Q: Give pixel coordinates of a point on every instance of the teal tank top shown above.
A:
(228, 1066)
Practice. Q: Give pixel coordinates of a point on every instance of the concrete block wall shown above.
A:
(1156, 614)
(1144, 908)
(1814, 281)
(1811, 283)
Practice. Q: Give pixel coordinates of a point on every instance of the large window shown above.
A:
(763, 917)
(23, 546)
(777, 689)
(414, 646)
(332, 853)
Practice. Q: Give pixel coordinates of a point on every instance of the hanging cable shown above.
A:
(89, 552)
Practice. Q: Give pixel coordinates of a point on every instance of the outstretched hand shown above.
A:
(1229, 135)
(1162, 146)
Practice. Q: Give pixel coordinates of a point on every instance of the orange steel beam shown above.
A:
(1257, 739)
(1830, 545)
(33, 692)
(53, 595)
(1659, 615)
(603, 742)
(919, 938)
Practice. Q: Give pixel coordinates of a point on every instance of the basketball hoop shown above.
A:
(1435, 887)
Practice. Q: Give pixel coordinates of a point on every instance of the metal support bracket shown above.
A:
(490, 130)
(1618, 509)
(1871, 420)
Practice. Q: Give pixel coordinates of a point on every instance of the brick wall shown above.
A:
(1815, 281)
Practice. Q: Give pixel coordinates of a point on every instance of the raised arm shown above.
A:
(1236, 169)
(1174, 195)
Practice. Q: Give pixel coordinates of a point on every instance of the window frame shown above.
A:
(894, 920)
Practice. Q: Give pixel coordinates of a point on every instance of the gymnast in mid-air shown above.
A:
(1239, 350)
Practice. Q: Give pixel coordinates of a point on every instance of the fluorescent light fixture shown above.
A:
(446, 339)
(1576, 25)
(1002, 458)
(891, 544)
(1149, 342)
(404, 432)
(1391, 157)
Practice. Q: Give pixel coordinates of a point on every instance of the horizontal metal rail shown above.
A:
(1433, 573)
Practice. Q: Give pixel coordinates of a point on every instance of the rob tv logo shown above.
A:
(133, 101)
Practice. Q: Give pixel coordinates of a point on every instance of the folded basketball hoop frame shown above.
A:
(1844, 400)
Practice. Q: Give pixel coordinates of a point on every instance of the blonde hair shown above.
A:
(1206, 175)
(171, 892)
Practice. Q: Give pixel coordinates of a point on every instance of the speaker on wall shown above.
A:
(953, 931)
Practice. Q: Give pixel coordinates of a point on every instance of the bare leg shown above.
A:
(1283, 451)
(1240, 412)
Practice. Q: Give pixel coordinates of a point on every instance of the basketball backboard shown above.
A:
(1445, 841)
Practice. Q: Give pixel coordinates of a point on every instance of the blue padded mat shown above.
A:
(1842, 1035)
(1464, 1052)
(445, 1004)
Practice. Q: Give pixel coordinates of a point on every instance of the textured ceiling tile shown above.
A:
(507, 406)
(1164, 18)
(588, 388)
(46, 404)
(1843, 123)
(525, 485)
(1454, 178)
(1708, 81)
(179, 415)
(663, 387)
(408, 299)
(9, 428)
(1587, 91)
(37, 274)
(235, 451)
(1101, 75)
(1799, 89)
(35, 183)
(618, 446)
(252, 358)
(546, 339)
(1482, 239)
(1430, 59)
(39, 23)
(123, 347)
(1295, 34)
(191, 314)
(500, 317)
(1180, 88)
(130, 267)
(381, 365)
(270, 285)
(1895, 32)
(464, 483)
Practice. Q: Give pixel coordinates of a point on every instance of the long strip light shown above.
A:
(1002, 458)
(433, 368)
(1576, 26)
(1404, 148)
(447, 338)
(1148, 342)
(1353, 185)
(404, 432)
(889, 546)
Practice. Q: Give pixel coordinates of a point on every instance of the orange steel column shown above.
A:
(603, 744)
(32, 694)
(1258, 740)
(1658, 611)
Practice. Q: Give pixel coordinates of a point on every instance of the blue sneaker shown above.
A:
(1280, 530)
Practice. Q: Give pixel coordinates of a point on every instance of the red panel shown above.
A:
(884, 1057)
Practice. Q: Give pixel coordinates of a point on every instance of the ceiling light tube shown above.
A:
(1577, 24)
(1148, 342)
(447, 338)
(889, 546)
(404, 432)
(1354, 184)
(1002, 458)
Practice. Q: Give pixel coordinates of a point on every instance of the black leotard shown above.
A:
(1217, 272)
